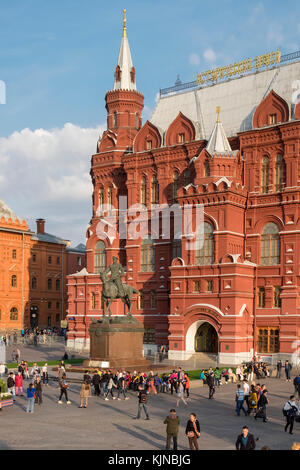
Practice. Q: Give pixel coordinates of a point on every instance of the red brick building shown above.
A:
(238, 293)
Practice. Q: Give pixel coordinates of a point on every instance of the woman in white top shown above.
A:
(180, 394)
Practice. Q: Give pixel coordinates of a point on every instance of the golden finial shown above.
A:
(124, 24)
(218, 109)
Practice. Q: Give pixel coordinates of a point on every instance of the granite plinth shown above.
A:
(117, 343)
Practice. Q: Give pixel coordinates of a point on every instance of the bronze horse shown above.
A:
(110, 293)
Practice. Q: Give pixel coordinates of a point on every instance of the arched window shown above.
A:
(49, 284)
(115, 119)
(144, 191)
(279, 173)
(270, 245)
(13, 280)
(175, 185)
(147, 255)
(14, 314)
(100, 200)
(33, 283)
(154, 190)
(205, 245)
(57, 284)
(265, 175)
(206, 168)
(99, 257)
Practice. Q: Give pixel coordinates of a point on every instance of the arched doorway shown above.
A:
(206, 339)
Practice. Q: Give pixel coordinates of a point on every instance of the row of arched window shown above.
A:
(155, 187)
(13, 314)
(101, 197)
(270, 249)
(279, 173)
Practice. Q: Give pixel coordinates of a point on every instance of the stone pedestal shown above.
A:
(117, 341)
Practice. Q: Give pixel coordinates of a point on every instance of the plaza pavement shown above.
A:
(109, 425)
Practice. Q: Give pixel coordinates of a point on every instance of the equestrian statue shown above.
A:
(113, 288)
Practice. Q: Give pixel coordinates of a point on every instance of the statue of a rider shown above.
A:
(116, 271)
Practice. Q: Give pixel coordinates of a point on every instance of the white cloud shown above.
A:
(194, 59)
(45, 173)
(210, 55)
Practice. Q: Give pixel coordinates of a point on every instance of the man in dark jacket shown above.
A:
(278, 367)
(11, 385)
(211, 385)
(96, 382)
(142, 396)
(245, 441)
(172, 422)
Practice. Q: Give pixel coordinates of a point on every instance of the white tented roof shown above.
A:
(237, 99)
(218, 142)
(125, 64)
(6, 212)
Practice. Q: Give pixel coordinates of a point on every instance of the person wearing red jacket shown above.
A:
(19, 384)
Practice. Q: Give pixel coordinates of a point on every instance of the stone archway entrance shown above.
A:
(206, 339)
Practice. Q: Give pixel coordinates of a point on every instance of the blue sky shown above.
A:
(57, 59)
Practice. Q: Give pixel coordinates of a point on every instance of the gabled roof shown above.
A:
(47, 237)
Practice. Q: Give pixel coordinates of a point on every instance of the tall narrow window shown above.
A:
(205, 245)
(272, 119)
(277, 298)
(50, 259)
(196, 286)
(57, 284)
(137, 121)
(147, 255)
(270, 245)
(154, 190)
(100, 257)
(153, 299)
(279, 173)
(115, 119)
(261, 297)
(265, 175)
(206, 168)
(144, 191)
(49, 284)
(33, 283)
(93, 301)
(100, 200)
(176, 248)
(181, 137)
(14, 254)
(175, 185)
(140, 300)
(13, 280)
(148, 144)
(110, 196)
(186, 177)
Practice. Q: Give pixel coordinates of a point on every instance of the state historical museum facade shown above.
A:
(239, 293)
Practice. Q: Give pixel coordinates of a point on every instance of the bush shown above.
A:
(3, 386)
(5, 396)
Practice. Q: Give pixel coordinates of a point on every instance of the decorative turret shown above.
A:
(218, 142)
(124, 103)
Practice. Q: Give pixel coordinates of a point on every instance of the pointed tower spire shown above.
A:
(125, 72)
(218, 142)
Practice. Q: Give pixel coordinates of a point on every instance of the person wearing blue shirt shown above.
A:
(30, 398)
(239, 397)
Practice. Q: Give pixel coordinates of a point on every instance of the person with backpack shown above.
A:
(142, 397)
(63, 390)
(262, 406)
(290, 410)
(85, 393)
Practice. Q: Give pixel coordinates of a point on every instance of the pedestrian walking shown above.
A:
(180, 394)
(246, 394)
(253, 399)
(142, 398)
(290, 411)
(192, 431)
(38, 391)
(172, 422)
(30, 398)
(211, 385)
(122, 387)
(63, 390)
(245, 441)
(96, 383)
(296, 383)
(239, 399)
(85, 393)
(187, 384)
(110, 386)
(262, 406)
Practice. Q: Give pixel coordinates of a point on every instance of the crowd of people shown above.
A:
(251, 398)
(32, 336)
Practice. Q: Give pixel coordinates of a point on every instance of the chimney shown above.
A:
(40, 225)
